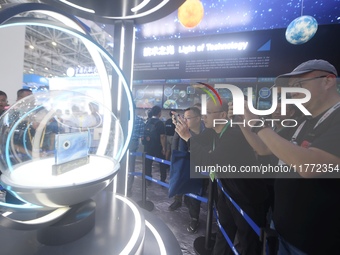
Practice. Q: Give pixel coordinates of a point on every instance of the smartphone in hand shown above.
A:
(177, 117)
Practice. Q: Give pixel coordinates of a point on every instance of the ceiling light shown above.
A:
(46, 68)
(31, 47)
(54, 43)
(70, 72)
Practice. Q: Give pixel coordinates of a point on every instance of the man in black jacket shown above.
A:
(306, 214)
(189, 125)
(156, 144)
(224, 145)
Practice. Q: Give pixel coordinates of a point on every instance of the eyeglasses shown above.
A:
(191, 117)
(298, 84)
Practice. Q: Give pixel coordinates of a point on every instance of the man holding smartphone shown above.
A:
(306, 214)
(225, 145)
(189, 125)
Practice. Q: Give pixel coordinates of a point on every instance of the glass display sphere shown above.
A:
(58, 148)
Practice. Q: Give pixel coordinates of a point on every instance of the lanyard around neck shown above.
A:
(222, 132)
(322, 119)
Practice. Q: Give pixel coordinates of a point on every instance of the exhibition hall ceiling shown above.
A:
(50, 52)
(197, 18)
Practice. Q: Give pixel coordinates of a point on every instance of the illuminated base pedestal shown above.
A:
(121, 227)
(77, 222)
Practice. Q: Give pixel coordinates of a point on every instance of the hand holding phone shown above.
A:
(174, 117)
(177, 117)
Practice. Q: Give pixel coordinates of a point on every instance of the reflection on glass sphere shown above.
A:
(58, 148)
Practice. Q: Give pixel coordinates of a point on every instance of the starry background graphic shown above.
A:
(260, 22)
(229, 16)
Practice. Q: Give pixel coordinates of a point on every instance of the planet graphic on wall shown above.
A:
(301, 30)
(191, 13)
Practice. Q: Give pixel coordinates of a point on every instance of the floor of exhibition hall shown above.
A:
(177, 220)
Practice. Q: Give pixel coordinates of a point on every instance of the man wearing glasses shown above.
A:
(306, 214)
(189, 125)
(225, 145)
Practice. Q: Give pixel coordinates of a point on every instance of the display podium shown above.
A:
(121, 227)
(63, 202)
(59, 152)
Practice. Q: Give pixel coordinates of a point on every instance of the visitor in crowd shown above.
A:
(189, 125)
(225, 145)
(22, 93)
(3, 102)
(169, 132)
(155, 142)
(306, 212)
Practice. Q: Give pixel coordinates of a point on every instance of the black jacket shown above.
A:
(210, 148)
